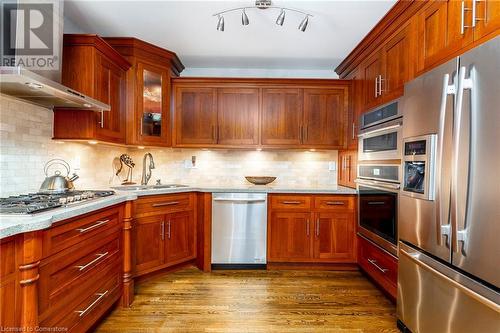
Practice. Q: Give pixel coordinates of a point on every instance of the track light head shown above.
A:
(220, 23)
(244, 18)
(303, 24)
(281, 17)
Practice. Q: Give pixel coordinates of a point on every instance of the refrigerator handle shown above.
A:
(457, 219)
(443, 227)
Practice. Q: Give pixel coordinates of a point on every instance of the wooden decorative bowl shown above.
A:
(260, 180)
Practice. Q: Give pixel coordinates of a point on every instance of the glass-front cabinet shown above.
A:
(152, 112)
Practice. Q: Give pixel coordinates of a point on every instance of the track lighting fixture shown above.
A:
(220, 23)
(244, 18)
(303, 24)
(263, 4)
(281, 17)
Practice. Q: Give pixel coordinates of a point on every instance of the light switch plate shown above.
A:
(332, 166)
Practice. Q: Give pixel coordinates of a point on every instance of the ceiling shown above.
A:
(189, 29)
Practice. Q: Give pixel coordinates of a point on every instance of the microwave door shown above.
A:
(428, 107)
(475, 208)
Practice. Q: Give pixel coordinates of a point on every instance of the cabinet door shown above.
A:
(10, 305)
(459, 33)
(290, 236)
(195, 116)
(356, 107)
(110, 89)
(343, 175)
(152, 116)
(432, 30)
(238, 116)
(372, 69)
(334, 237)
(149, 242)
(281, 123)
(397, 64)
(179, 237)
(487, 18)
(325, 117)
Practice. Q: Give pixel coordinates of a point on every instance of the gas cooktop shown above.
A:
(39, 202)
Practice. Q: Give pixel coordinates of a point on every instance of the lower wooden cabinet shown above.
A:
(381, 266)
(9, 292)
(323, 232)
(166, 238)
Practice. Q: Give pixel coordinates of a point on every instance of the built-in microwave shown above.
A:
(380, 134)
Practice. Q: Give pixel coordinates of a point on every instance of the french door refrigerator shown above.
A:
(449, 224)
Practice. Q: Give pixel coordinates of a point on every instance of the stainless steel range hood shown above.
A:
(23, 84)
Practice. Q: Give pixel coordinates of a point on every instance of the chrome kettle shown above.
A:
(57, 183)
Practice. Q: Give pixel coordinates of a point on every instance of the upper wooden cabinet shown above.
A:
(195, 116)
(487, 18)
(148, 90)
(238, 116)
(93, 67)
(325, 117)
(347, 170)
(281, 116)
(356, 107)
(234, 113)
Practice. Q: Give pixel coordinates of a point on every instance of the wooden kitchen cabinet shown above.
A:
(195, 116)
(347, 168)
(282, 116)
(372, 69)
(149, 249)
(487, 18)
(165, 232)
(334, 236)
(180, 237)
(10, 303)
(148, 90)
(290, 236)
(325, 117)
(312, 229)
(356, 108)
(238, 116)
(93, 67)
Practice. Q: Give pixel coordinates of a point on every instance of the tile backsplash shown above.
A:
(26, 145)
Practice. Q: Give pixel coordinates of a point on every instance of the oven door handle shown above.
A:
(374, 183)
(381, 129)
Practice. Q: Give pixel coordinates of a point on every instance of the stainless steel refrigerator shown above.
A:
(449, 216)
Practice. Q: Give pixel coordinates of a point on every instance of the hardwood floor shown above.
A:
(255, 301)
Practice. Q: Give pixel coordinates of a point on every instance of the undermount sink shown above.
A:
(147, 187)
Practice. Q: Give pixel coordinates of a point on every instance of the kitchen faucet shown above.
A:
(146, 171)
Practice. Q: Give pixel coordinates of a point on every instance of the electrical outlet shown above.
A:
(332, 166)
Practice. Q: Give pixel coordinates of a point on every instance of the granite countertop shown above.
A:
(17, 224)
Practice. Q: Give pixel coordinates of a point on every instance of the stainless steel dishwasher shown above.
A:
(239, 230)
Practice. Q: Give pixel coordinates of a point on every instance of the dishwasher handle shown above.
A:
(240, 200)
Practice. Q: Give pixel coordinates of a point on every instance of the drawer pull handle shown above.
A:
(82, 313)
(291, 202)
(99, 257)
(335, 203)
(97, 225)
(161, 204)
(374, 263)
(376, 203)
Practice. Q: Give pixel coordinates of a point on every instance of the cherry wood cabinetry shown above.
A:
(93, 67)
(165, 232)
(238, 116)
(325, 117)
(148, 90)
(347, 168)
(282, 116)
(381, 266)
(269, 113)
(356, 104)
(487, 18)
(10, 309)
(311, 229)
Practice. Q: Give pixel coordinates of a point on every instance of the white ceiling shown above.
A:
(189, 29)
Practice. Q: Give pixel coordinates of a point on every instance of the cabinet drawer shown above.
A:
(83, 312)
(334, 203)
(381, 266)
(163, 204)
(290, 202)
(69, 274)
(68, 234)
